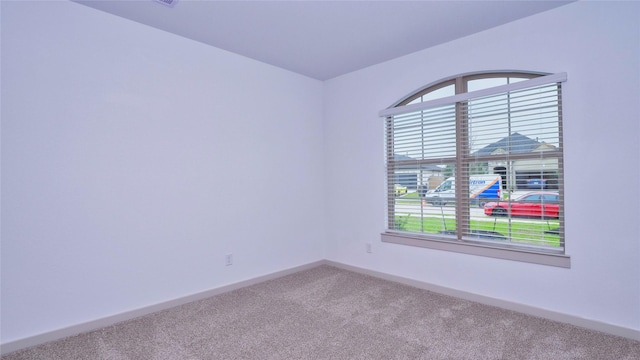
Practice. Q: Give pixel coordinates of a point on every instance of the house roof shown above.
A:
(516, 143)
(428, 167)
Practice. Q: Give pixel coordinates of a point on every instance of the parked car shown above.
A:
(536, 184)
(399, 190)
(539, 204)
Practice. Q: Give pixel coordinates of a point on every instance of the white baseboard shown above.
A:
(504, 304)
(58, 334)
(72, 330)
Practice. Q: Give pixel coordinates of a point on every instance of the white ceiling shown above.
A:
(323, 39)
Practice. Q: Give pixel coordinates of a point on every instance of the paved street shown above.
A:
(426, 210)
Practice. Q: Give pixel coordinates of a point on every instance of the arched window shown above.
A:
(481, 157)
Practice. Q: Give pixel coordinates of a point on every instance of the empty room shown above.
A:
(277, 179)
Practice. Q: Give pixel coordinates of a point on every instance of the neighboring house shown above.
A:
(518, 172)
(412, 175)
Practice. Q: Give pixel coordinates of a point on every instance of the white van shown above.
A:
(482, 189)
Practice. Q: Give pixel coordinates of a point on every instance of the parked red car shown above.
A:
(539, 204)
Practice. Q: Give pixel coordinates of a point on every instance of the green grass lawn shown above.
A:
(407, 199)
(521, 231)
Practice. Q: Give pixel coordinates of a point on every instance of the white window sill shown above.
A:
(484, 249)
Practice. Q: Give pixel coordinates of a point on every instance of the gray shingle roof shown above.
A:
(516, 143)
(400, 157)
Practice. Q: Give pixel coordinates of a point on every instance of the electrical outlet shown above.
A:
(228, 260)
(368, 247)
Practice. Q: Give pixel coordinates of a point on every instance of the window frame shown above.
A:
(518, 252)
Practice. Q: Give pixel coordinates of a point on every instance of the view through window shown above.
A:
(478, 159)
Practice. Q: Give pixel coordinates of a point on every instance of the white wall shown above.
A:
(598, 45)
(133, 160)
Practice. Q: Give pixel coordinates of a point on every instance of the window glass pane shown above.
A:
(442, 92)
(485, 187)
(527, 210)
(479, 84)
(427, 205)
(514, 123)
(535, 113)
(485, 83)
(489, 125)
(428, 134)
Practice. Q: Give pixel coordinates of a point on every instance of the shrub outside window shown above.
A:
(479, 159)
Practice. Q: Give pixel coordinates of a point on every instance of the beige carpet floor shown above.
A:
(330, 313)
